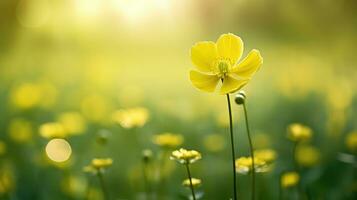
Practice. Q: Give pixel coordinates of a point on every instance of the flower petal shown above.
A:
(230, 46)
(203, 55)
(231, 84)
(204, 82)
(250, 64)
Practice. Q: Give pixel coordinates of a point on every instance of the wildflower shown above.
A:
(6, 180)
(20, 130)
(351, 141)
(2, 148)
(130, 118)
(184, 156)
(289, 179)
(98, 164)
(307, 155)
(298, 132)
(168, 140)
(52, 130)
(267, 155)
(72, 122)
(102, 162)
(195, 182)
(218, 62)
(27, 95)
(244, 165)
(147, 155)
(73, 185)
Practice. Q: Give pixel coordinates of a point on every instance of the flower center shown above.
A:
(223, 67)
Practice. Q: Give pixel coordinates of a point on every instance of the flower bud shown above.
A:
(240, 98)
(147, 154)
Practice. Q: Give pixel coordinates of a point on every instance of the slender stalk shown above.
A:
(251, 150)
(146, 180)
(102, 184)
(190, 178)
(87, 196)
(280, 187)
(294, 156)
(232, 146)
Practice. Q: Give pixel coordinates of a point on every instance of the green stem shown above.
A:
(251, 150)
(190, 178)
(280, 186)
(87, 196)
(232, 145)
(146, 180)
(294, 156)
(102, 184)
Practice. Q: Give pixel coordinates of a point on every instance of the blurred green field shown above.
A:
(108, 77)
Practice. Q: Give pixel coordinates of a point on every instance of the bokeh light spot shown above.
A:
(58, 150)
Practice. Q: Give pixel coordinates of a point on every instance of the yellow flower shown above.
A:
(168, 140)
(298, 132)
(130, 118)
(267, 155)
(6, 180)
(72, 122)
(195, 182)
(289, 179)
(26, 96)
(52, 130)
(351, 141)
(20, 130)
(2, 148)
(307, 155)
(184, 156)
(100, 163)
(244, 165)
(218, 62)
(74, 185)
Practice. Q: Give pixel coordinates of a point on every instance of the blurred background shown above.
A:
(108, 76)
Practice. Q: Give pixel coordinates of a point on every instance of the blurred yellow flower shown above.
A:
(244, 165)
(214, 142)
(52, 130)
(6, 180)
(99, 163)
(195, 182)
(184, 156)
(267, 155)
(20, 130)
(289, 179)
(307, 156)
(73, 185)
(168, 140)
(72, 122)
(29, 95)
(351, 141)
(2, 147)
(26, 96)
(130, 118)
(218, 62)
(298, 132)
